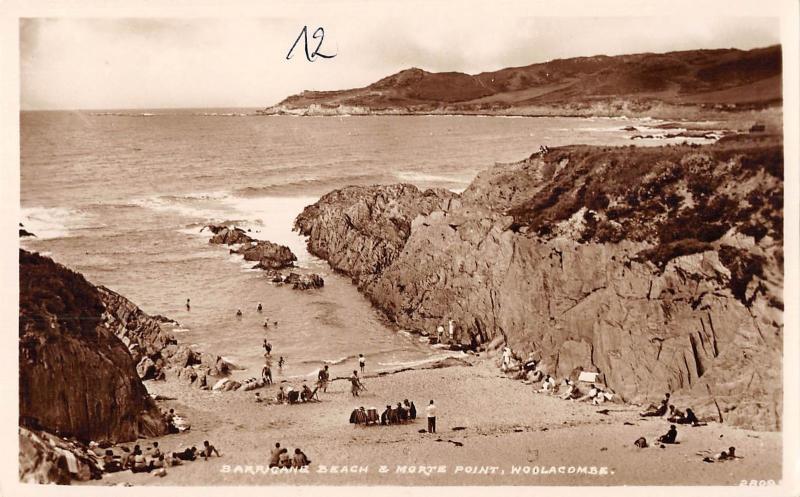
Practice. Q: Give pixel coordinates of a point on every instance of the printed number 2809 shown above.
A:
(758, 483)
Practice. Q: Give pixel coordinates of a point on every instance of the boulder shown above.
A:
(43, 458)
(270, 256)
(304, 281)
(224, 235)
(146, 369)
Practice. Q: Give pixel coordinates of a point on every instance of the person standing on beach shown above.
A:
(238, 313)
(355, 384)
(188, 305)
(259, 308)
(451, 329)
(280, 363)
(266, 373)
(431, 413)
(362, 361)
(322, 378)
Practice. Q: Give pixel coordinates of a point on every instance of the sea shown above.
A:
(122, 197)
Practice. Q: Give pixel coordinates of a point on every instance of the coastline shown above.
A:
(504, 417)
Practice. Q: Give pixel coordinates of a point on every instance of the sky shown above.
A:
(126, 63)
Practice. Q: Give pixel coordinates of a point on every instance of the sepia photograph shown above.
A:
(424, 247)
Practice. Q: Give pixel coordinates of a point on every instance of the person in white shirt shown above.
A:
(362, 361)
(547, 384)
(452, 328)
(431, 413)
(439, 333)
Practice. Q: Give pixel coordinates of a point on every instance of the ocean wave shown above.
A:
(56, 222)
(313, 185)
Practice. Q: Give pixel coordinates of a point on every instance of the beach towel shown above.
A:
(221, 383)
(588, 377)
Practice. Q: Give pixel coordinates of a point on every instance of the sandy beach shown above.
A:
(510, 436)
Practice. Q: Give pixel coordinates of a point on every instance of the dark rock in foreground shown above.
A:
(76, 377)
(42, 459)
(659, 268)
(23, 233)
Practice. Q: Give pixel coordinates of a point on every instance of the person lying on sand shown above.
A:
(590, 395)
(723, 456)
(670, 436)
(653, 411)
(675, 415)
(208, 450)
(188, 454)
(691, 419)
(572, 391)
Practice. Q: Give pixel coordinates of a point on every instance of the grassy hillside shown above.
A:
(727, 77)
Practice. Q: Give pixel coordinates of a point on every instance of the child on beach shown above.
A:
(281, 363)
(362, 362)
(208, 449)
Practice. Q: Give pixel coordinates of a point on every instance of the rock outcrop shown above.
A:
(154, 350)
(360, 230)
(659, 268)
(270, 256)
(304, 281)
(76, 378)
(43, 458)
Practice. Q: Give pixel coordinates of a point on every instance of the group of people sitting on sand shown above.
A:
(671, 413)
(155, 460)
(287, 394)
(280, 458)
(568, 389)
(405, 412)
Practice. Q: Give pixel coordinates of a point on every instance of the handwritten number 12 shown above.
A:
(319, 34)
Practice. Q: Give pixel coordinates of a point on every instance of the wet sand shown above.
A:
(512, 436)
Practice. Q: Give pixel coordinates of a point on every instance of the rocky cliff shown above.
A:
(76, 377)
(153, 349)
(660, 268)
